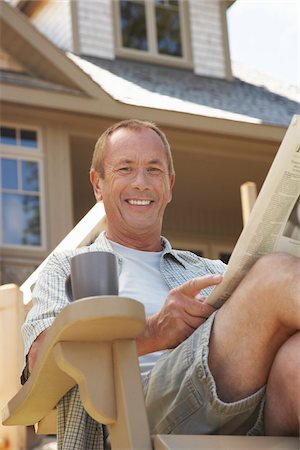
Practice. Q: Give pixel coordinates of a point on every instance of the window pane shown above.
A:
(9, 174)
(28, 138)
(8, 136)
(166, 2)
(30, 176)
(133, 25)
(168, 28)
(21, 219)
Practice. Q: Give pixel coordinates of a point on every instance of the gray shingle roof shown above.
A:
(258, 101)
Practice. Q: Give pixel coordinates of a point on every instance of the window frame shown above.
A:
(23, 153)
(152, 54)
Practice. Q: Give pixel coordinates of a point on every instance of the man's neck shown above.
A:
(142, 242)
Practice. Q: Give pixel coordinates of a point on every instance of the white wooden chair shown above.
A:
(92, 344)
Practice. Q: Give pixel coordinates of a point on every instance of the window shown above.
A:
(153, 28)
(20, 187)
(133, 25)
(168, 28)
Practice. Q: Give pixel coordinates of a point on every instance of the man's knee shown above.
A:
(275, 269)
(271, 289)
(282, 262)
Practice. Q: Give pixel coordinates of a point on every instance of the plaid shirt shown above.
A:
(49, 294)
(49, 298)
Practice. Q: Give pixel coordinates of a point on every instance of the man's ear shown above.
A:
(96, 183)
(172, 182)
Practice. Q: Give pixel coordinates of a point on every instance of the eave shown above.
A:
(115, 109)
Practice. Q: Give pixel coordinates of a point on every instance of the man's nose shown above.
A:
(140, 180)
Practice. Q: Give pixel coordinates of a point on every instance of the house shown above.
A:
(69, 69)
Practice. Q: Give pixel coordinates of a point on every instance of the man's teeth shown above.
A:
(139, 202)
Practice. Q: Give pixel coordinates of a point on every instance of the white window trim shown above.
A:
(152, 55)
(27, 154)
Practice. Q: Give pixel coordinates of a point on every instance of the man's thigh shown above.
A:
(181, 394)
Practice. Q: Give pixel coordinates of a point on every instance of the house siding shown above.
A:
(87, 28)
(207, 38)
(54, 20)
(95, 26)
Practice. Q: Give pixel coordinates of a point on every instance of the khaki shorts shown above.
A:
(181, 395)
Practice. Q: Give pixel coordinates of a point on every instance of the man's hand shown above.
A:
(183, 311)
(34, 350)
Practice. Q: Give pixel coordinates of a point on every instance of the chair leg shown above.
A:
(131, 431)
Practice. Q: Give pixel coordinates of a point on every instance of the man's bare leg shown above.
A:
(282, 410)
(250, 328)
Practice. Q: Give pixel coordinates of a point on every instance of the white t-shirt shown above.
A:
(140, 278)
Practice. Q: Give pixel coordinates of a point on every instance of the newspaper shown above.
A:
(274, 222)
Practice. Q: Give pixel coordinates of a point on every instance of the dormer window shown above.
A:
(168, 30)
(153, 30)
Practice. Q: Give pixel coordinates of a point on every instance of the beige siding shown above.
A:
(207, 38)
(96, 28)
(54, 20)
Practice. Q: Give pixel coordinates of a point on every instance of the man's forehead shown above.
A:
(127, 145)
(131, 134)
(119, 158)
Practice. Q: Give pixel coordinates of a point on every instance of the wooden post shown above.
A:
(248, 197)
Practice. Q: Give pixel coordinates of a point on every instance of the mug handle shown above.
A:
(68, 288)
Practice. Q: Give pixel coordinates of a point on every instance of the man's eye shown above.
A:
(124, 169)
(154, 170)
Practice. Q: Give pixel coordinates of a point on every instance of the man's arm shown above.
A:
(34, 349)
(48, 298)
(184, 310)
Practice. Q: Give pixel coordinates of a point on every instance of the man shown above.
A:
(230, 372)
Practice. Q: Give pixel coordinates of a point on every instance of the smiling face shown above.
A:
(136, 187)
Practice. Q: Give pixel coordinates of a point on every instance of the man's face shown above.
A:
(136, 187)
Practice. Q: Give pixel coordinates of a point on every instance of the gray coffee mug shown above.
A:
(93, 274)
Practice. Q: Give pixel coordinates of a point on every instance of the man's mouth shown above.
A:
(139, 202)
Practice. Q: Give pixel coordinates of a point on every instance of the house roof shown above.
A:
(249, 97)
(123, 88)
